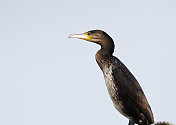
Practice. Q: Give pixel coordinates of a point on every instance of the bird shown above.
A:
(124, 90)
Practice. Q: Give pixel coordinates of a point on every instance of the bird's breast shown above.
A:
(109, 80)
(112, 88)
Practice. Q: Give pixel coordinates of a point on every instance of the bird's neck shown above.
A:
(104, 53)
(107, 48)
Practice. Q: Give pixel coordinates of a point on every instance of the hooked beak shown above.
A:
(81, 36)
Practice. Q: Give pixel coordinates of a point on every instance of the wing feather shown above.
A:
(132, 89)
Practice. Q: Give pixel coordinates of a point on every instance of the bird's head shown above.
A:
(96, 36)
(100, 37)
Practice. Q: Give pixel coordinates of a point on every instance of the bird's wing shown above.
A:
(131, 88)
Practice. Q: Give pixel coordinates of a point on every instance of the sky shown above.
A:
(48, 79)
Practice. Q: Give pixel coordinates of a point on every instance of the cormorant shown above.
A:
(124, 90)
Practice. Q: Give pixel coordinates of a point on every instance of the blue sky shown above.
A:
(46, 78)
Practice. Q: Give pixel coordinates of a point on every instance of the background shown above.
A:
(48, 79)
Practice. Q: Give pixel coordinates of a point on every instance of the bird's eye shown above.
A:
(88, 33)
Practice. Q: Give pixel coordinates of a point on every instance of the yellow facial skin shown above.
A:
(89, 37)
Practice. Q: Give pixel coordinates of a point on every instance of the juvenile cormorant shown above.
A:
(124, 90)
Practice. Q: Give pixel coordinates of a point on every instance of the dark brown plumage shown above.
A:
(124, 89)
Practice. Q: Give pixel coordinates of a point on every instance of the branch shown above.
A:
(163, 123)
